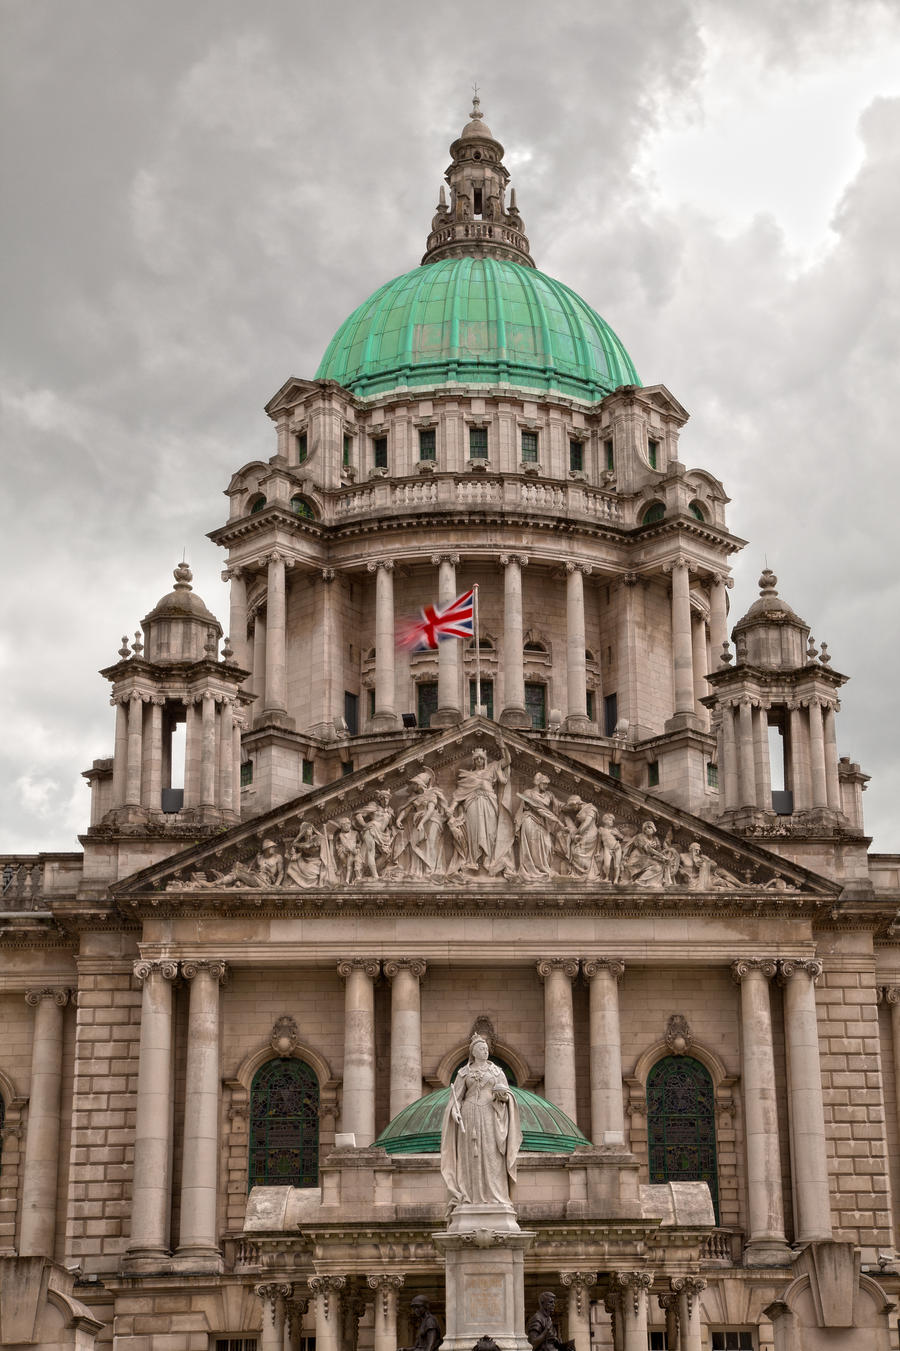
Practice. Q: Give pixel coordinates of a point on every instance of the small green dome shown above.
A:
(417, 1129)
(477, 321)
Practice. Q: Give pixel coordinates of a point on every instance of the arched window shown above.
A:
(696, 510)
(257, 504)
(681, 1124)
(300, 507)
(284, 1125)
(655, 512)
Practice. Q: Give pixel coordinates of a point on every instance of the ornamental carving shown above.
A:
(679, 1037)
(284, 1035)
(476, 820)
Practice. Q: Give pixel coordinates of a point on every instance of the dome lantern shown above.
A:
(478, 222)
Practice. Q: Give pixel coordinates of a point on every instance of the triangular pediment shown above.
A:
(478, 809)
(291, 392)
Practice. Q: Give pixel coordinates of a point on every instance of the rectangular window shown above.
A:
(536, 705)
(658, 1341)
(653, 453)
(379, 452)
(741, 1339)
(428, 444)
(712, 775)
(236, 1343)
(351, 712)
(615, 771)
(576, 456)
(487, 697)
(590, 703)
(610, 454)
(301, 446)
(426, 702)
(370, 703)
(306, 772)
(246, 773)
(529, 447)
(348, 447)
(478, 446)
(610, 714)
(653, 774)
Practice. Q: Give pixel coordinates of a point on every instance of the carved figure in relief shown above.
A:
(419, 843)
(541, 1330)
(428, 1333)
(481, 1134)
(266, 870)
(611, 843)
(375, 823)
(345, 847)
(537, 826)
(582, 837)
(309, 858)
(646, 861)
(480, 820)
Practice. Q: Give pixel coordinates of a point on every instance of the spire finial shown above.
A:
(476, 101)
(183, 577)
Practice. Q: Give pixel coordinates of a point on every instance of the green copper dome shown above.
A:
(477, 321)
(417, 1129)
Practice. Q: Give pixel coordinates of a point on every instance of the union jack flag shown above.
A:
(455, 620)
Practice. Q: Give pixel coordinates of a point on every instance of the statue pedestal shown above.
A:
(484, 1255)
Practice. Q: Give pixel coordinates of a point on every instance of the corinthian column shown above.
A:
(200, 1166)
(276, 625)
(448, 709)
(386, 1285)
(406, 1031)
(385, 719)
(766, 1244)
(746, 758)
(514, 714)
(237, 618)
(607, 1110)
(358, 1098)
(689, 1289)
(135, 749)
(578, 1283)
(151, 1190)
(817, 755)
(806, 1110)
(38, 1231)
(718, 617)
(208, 750)
(327, 1290)
(557, 973)
(682, 653)
(891, 995)
(632, 1309)
(576, 670)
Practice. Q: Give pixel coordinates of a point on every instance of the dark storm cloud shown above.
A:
(203, 192)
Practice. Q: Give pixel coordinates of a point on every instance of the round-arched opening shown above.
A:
(301, 507)
(696, 510)
(257, 503)
(284, 1125)
(681, 1124)
(655, 512)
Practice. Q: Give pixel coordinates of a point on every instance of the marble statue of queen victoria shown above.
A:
(481, 1134)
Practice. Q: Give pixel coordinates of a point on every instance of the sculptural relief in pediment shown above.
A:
(476, 818)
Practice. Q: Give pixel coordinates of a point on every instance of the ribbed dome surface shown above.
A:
(477, 321)
(417, 1129)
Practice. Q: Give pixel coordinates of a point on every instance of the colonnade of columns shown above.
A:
(142, 760)
(811, 759)
(38, 1228)
(267, 658)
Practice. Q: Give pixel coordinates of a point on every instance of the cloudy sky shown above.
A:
(199, 191)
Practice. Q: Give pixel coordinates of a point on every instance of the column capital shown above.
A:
(417, 965)
(688, 1285)
(375, 563)
(271, 1292)
(445, 558)
(668, 1301)
(568, 965)
(720, 579)
(680, 561)
(584, 568)
(326, 1286)
(144, 969)
(506, 559)
(216, 969)
(613, 966)
(327, 574)
(889, 993)
(277, 556)
(637, 1282)
(578, 1282)
(233, 573)
(58, 994)
(385, 1280)
(294, 1309)
(742, 966)
(371, 967)
(812, 966)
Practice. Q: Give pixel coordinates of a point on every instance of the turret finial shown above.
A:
(183, 577)
(767, 583)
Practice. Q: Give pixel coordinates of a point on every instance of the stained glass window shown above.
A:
(681, 1124)
(284, 1125)
(300, 507)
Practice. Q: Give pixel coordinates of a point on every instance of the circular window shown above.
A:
(476, 154)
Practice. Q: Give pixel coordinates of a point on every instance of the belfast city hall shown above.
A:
(528, 982)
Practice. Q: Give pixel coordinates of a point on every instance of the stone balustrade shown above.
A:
(473, 490)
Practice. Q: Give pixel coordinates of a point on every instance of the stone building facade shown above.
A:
(616, 836)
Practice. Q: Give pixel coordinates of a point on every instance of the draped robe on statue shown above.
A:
(479, 1162)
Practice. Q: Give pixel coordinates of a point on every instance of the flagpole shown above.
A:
(477, 656)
